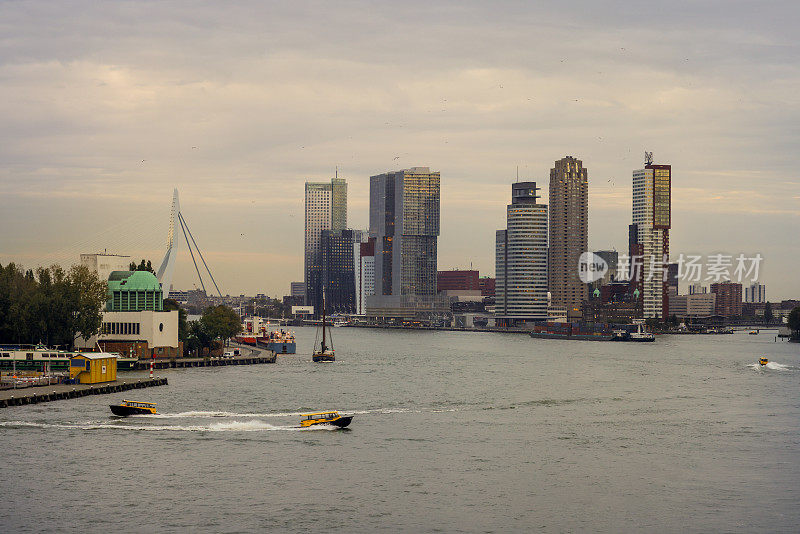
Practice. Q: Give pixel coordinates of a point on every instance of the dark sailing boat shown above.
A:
(325, 353)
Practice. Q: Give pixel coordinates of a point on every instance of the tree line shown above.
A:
(50, 305)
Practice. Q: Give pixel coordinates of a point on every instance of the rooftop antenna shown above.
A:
(648, 158)
(337, 172)
(517, 173)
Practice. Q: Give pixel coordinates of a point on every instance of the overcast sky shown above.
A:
(105, 108)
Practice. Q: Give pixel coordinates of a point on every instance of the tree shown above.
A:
(198, 337)
(768, 315)
(183, 326)
(794, 322)
(143, 266)
(221, 321)
(51, 306)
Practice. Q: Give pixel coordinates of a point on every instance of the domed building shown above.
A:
(134, 321)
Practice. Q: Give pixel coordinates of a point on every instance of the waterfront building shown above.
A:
(695, 305)
(729, 299)
(457, 280)
(325, 209)
(297, 289)
(404, 220)
(756, 293)
(134, 320)
(365, 274)
(338, 270)
(649, 236)
(487, 286)
(521, 259)
(569, 232)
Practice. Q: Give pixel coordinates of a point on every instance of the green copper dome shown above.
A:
(134, 291)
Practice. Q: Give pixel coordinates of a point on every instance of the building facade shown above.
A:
(696, 305)
(487, 285)
(756, 293)
(325, 209)
(458, 280)
(569, 232)
(521, 259)
(104, 264)
(297, 289)
(338, 270)
(649, 237)
(365, 274)
(404, 220)
(729, 299)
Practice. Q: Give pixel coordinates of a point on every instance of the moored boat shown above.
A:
(324, 418)
(133, 408)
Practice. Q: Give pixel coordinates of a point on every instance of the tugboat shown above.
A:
(133, 408)
(324, 418)
(325, 353)
(763, 361)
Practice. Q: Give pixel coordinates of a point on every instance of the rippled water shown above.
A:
(453, 432)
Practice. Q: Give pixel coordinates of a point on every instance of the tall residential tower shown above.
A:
(521, 259)
(649, 236)
(326, 209)
(569, 232)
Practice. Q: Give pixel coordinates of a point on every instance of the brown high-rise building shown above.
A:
(569, 231)
(729, 299)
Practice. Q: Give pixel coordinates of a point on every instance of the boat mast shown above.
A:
(323, 347)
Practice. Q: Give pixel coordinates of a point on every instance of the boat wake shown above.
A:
(232, 426)
(221, 414)
(771, 365)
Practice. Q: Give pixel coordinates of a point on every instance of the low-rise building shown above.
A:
(696, 305)
(134, 321)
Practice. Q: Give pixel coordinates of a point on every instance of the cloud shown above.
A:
(107, 108)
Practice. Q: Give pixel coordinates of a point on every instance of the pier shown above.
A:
(35, 395)
(179, 363)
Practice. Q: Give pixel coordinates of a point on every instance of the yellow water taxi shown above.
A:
(763, 361)
(324, 418)
(133, 408)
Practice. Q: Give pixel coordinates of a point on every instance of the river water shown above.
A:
(453, 432)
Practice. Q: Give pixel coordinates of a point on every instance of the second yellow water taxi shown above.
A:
(763, 361)
(324, 418)
(133, 408)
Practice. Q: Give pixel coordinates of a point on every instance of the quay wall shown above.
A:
(18, 397)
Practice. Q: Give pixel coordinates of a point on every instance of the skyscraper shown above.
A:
(569, 232)
(649, 236)
(338, 270)
(365, 274)
(404, 220)
(325, 209)
(521, 259)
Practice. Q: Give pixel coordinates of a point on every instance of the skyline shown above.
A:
(103, 108)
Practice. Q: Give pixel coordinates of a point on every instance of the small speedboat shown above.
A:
(763, 361)
(754, 332)
(324, 418)
(133, 408)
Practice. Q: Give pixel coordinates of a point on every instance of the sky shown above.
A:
(107, 107)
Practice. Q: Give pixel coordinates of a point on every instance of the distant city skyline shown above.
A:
(105, 112)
